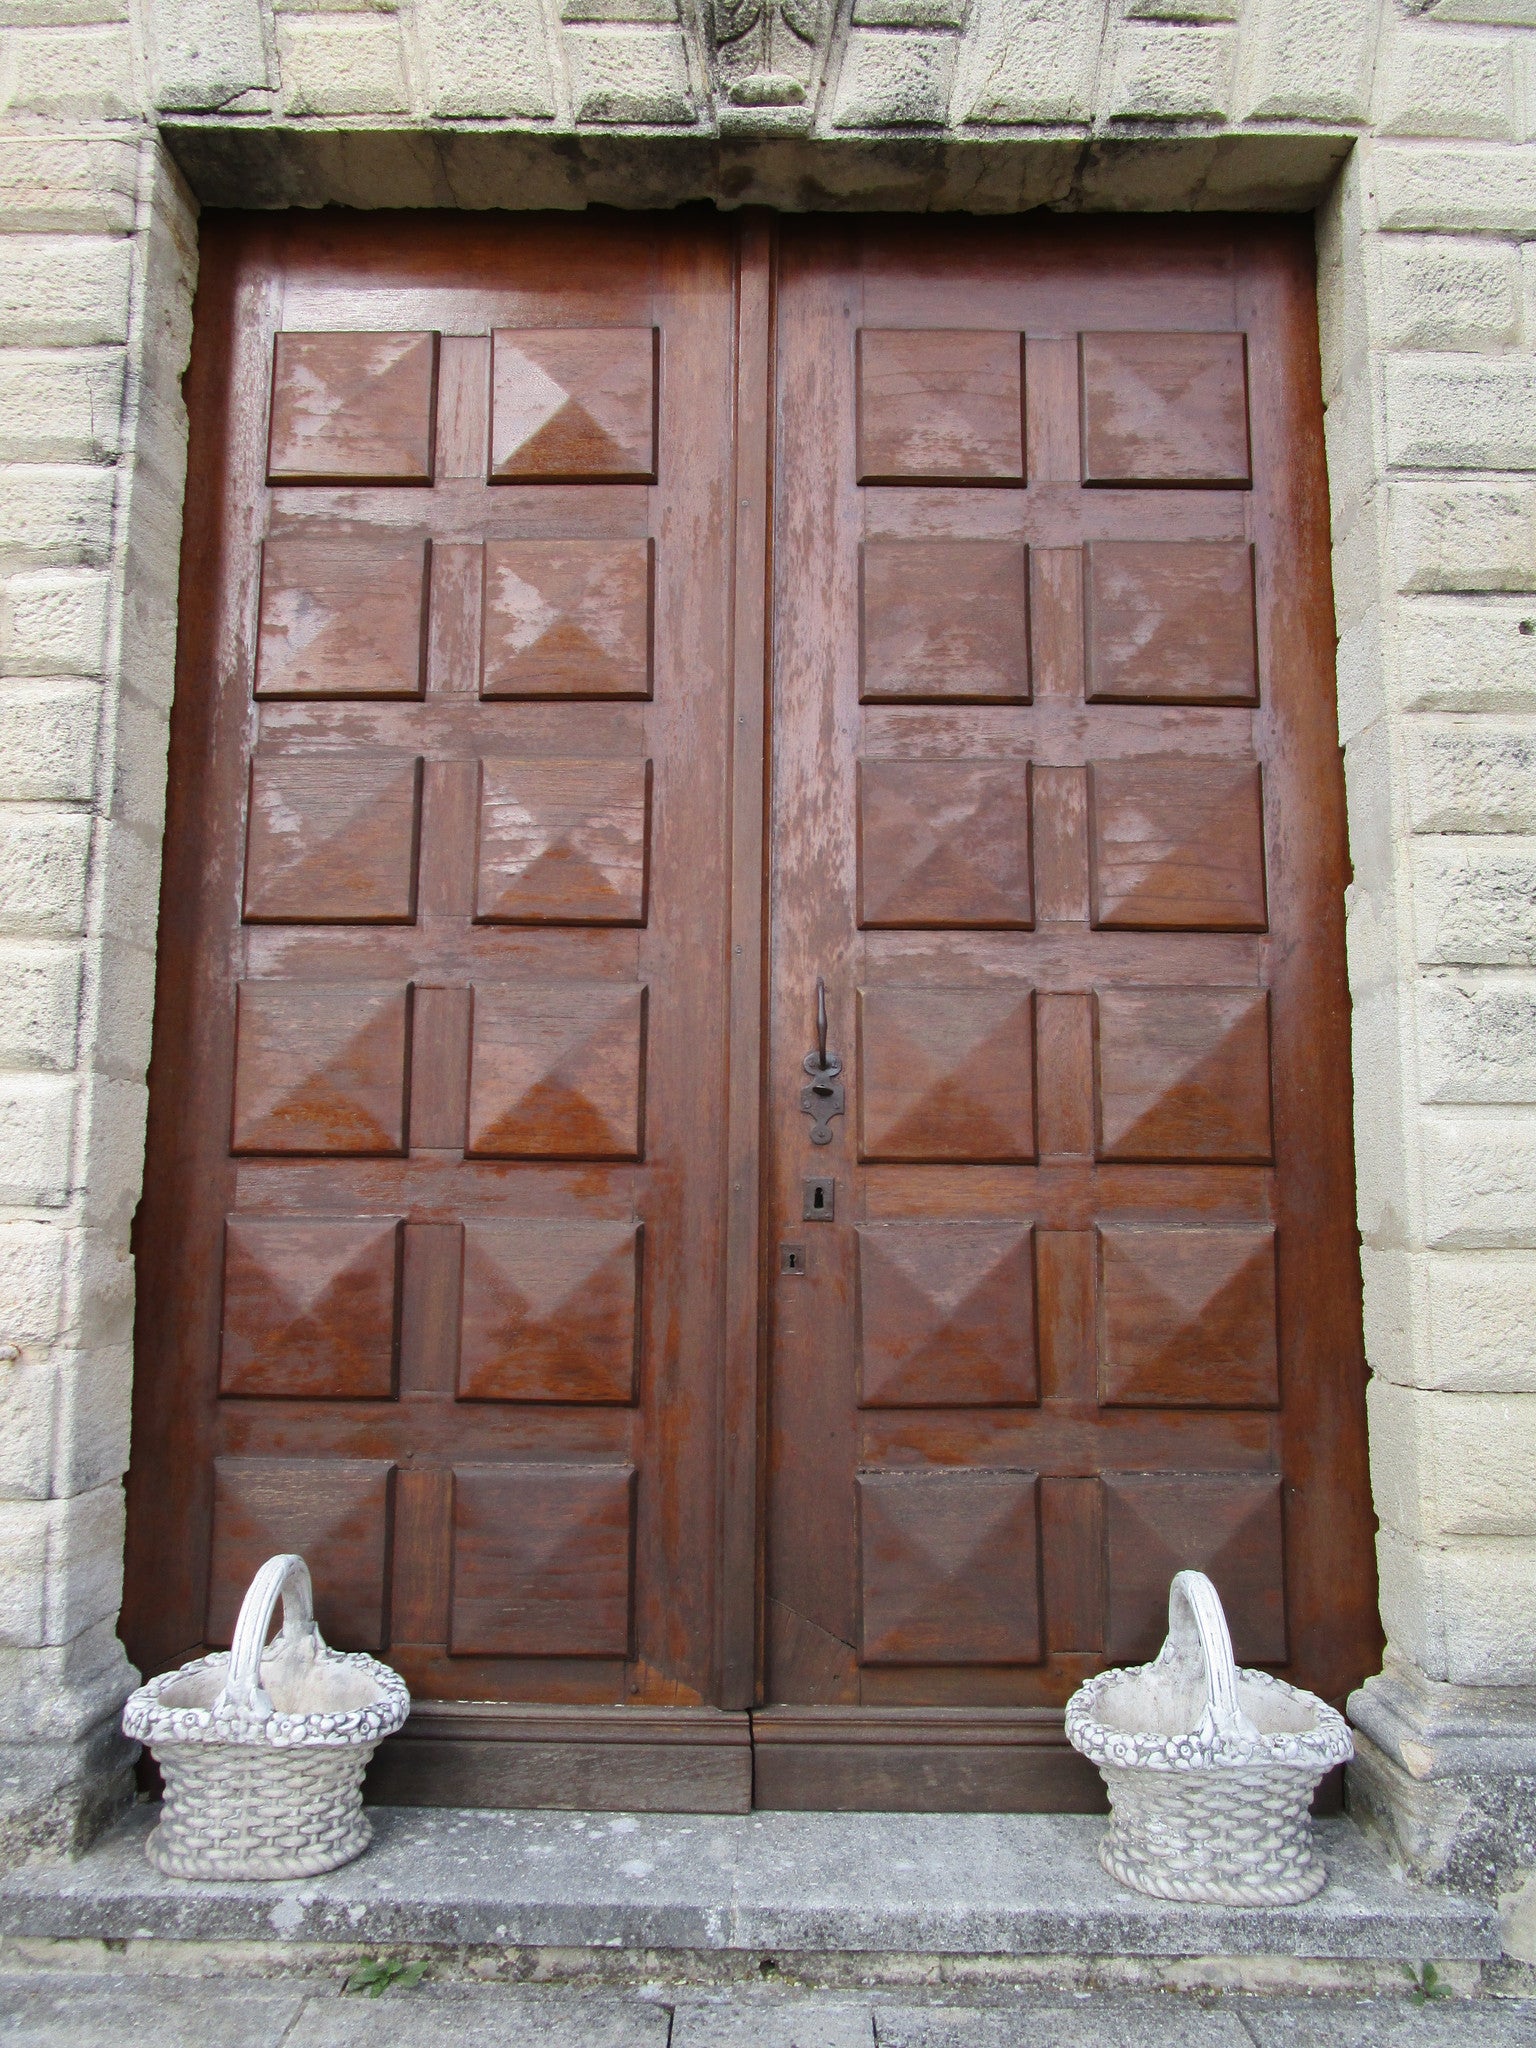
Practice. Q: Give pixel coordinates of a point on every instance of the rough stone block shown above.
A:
(208, 53)
(1472, 537)
(1481, 1314)
(47, 739)
(93, 1400)
(1479, 1181)
(1471, 775)
(61, 1566)
(630, 75)
(1455, 85)
(1031, 60)
(894, 78)
(60, 13)
(1308, 60)
(1172, 74)
(334, 64)
(1477, 1039)
(1448, 413)
(59, 1693)
(1446, 1464)
(43, 865)
(1360, 668)
(39, 1007)
(487, 57)
(55, 516)
(32, 1280)
(1463, 1611)
(1474, 902)
(56, 184)
(36, 1122)
(69, 74)
(1440, 291)
(128, 860)
(54, 623)
(1483, 190)
(141, 735)
(122, 975)
(1466, 657)
(56, 1797)
(66, 293)
(1381, 1156)
(60, 408)
(109, 1161)
(1501, 13)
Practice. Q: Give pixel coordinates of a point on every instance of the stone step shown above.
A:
(819, 1895)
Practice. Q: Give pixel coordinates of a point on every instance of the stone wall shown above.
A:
(1409, 124)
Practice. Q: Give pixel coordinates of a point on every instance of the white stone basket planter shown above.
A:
(264, 1750)
(1210, 1769)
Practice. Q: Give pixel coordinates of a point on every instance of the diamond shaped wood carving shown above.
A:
(950, 1567)
(1183, 1074)
(320, 1067)
(557, 1072)
(1169, 622)
(1187, 1317)
(332, 840)
(573, 405)
(563, 842)
(940, 406)
(310, 1306)
(359, 408)
(944, 843)
(1226, 1524)
(551, 1310)
(1177, 844)
(946, 1315)
(567, 618)
(944, 620)
(542, 1560)
(946, 1073)
(332, 1508)
(1165, 408)
(342, 618)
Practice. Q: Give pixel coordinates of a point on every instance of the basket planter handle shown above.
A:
(283, 1578)
(1197, 1627)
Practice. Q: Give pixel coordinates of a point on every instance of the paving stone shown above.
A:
(477, 2016)
(745, 2021)
(1394, 2023)
(1090, 2022)
(65, 2011)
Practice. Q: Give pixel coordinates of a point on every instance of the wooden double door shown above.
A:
(749, 1137)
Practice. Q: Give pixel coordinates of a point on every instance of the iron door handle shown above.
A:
(823, 1098)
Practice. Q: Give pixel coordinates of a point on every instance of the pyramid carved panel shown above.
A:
(940, 406)
(573, 405)
(334, 1511)
(1226, 1524)
(310, 1307)
(342, 618)
(1165, 408)
(1187, 1317)
(946, 1315)
(944, 621)
(551, 1311)
(563, 842)
(946, 1073)
(1183, 1074)
(944, 843)
(320, 1067)
(567, 618)
(1177, 844)
(542, 1560)
(333, 839)
(1170, 622)
(557, 1072)
(353, 408)
(950, 1567)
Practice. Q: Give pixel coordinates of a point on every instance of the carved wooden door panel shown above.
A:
(432, 1254)
(1057, 816)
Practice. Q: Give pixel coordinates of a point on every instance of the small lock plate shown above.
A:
(820, 1200)
(791, 1258)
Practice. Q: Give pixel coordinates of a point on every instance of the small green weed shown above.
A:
(380, 1973)
(1426, 1984)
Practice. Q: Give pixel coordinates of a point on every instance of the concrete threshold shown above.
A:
(822, 1897)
